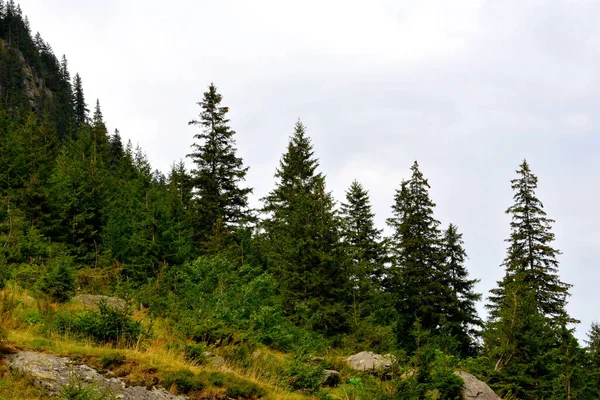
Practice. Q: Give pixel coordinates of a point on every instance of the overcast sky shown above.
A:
(469, 88)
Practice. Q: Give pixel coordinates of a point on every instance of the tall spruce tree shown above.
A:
(527, 315)
(218, 172)
(462, 322)
(301, 237)
(593, 355)
(80, 106)
(530, 252)
(364, 249)
(416, 278)
(65, 107)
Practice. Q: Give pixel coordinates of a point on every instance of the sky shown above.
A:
(469, 88)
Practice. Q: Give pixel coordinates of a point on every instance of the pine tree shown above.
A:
(593, 356)
(416, 277)
(116, 151)
(301, 240)
(364, 249)
(78, 198)
(64, 70)
(217, 172)
(81, 110)
(178, 200)
(530, 252)
(65, 107)
(463, 323)
(98, 118)
(99, 131)
(527, 315)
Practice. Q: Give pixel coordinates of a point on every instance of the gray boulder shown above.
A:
(53, 373)
(369, 361)
(476, 389)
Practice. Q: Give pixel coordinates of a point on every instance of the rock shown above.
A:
(476, 389)
(331, 377)
(369, 361)
(214, 359)
(92, 300)
(53, 373)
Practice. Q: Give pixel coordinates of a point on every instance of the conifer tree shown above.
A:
(78, 196)
(217, 172)
(463, 323)
(527, 314)
(416, 277)
(363, 246)
(178, 200)
(593, 345)
(593, 356)
(301, 236)
(65, 108)
(530, 252)
(81, 110)
(64, 70)
(116, 151)
(99, 131)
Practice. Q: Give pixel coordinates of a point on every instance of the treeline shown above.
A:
(80, 208)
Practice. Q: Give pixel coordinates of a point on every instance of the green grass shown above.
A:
(154, 361)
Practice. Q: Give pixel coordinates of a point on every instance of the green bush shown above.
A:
(27, 275)
(59, 282)
(236, 387)
(184, 381)
(305, 376)
(76, 389)
(448, 385)
(195, 352)
(107, 325)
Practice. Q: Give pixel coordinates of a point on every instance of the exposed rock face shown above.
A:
(476, 389)
(369, 361)
(54, 373)
(92, 300)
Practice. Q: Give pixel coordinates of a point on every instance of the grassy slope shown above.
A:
(146, 364)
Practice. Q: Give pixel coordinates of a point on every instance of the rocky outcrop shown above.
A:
(476, 389)
(92, 300)
(54, 373)
(369, 361)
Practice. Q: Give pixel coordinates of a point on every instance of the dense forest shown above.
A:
(305, 274)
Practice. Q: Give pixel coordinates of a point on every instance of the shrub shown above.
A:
(236, 387)
(76, 389)
(59, 282)
(195, 352)
(27, 275)
(448, 385)
(107, 325)
(184, 381)
(305, 375)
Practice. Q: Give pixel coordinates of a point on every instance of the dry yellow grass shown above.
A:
(146, 363)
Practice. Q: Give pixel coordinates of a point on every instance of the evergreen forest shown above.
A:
(281, 292)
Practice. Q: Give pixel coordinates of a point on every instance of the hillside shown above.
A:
(172, 282)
